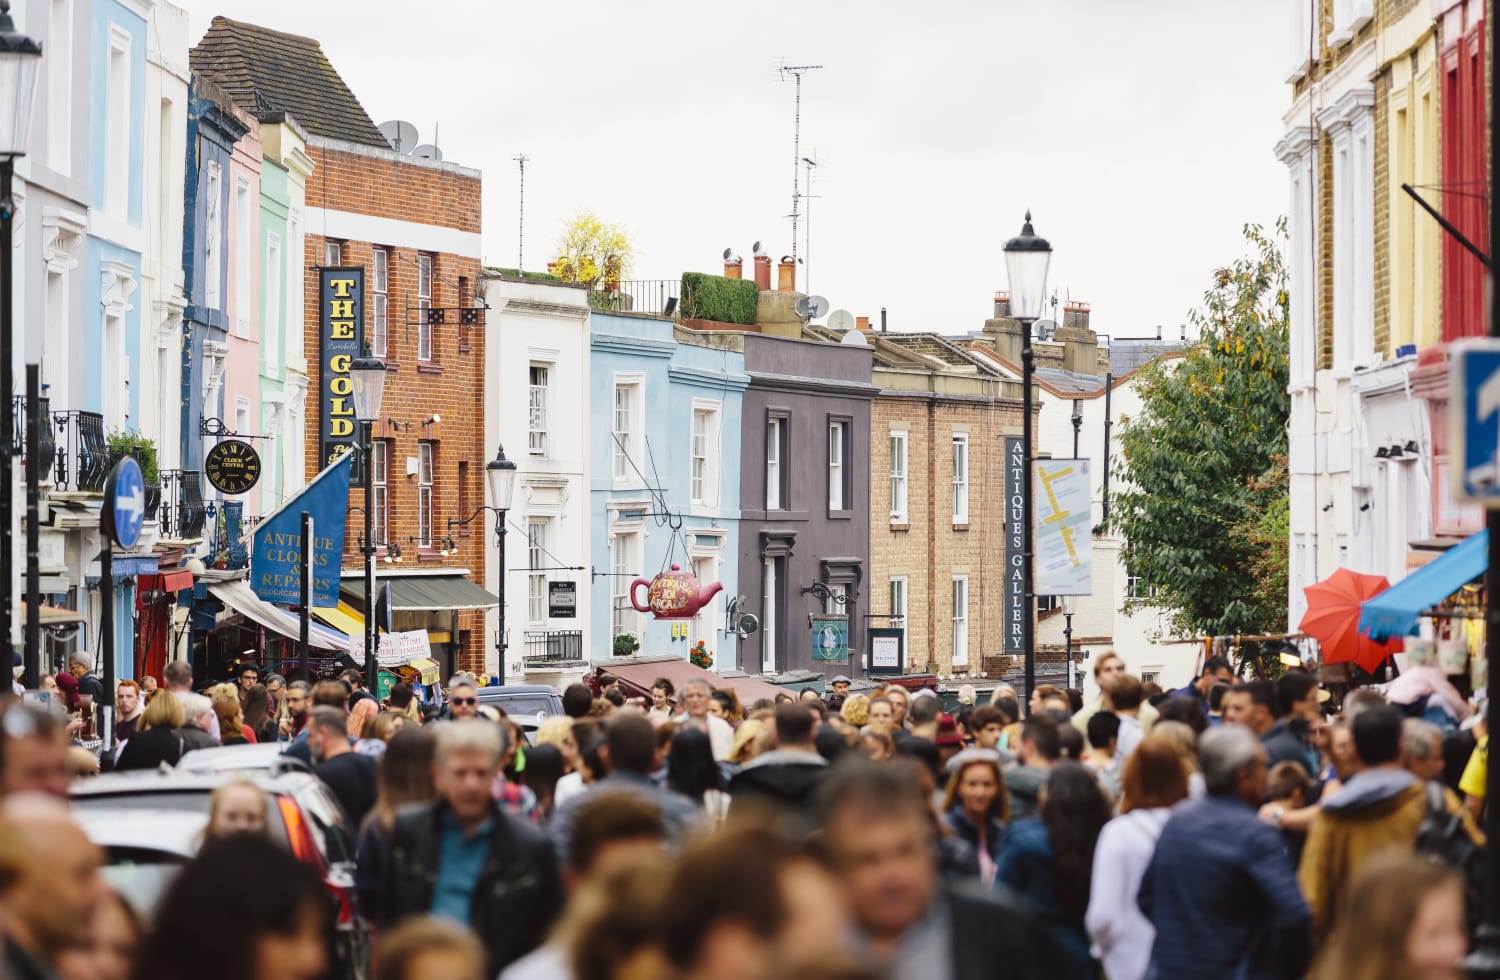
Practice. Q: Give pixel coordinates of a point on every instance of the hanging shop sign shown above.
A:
(276, 566)
(830, 639)
(232, 467)
(672, 595)
(562, 600)
(1064, 520)
(887, 650)
(1013, 606)
(341, 319)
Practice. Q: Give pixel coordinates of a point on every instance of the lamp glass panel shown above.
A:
(1026, 271)
(369, 388)
(18, 79)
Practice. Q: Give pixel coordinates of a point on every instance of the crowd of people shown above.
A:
(1234, 828)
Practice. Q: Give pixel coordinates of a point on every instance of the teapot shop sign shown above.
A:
(341, 321)
(672, 595)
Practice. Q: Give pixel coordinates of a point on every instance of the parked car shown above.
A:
(155, 820)
(264, 759)
(528, 704)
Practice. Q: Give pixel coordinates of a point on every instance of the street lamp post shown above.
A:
(1069, 603)
(1026, 260)
(367, 376)
(20, 57)
(500, 474)
(1077, 423)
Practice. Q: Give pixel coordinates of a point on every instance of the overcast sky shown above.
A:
(1139, 133)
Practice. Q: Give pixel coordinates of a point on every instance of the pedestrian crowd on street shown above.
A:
(1233, 828)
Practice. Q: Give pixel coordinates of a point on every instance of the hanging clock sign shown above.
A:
(233, 467)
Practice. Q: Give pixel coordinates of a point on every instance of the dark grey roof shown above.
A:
(1127, 355)
(269, 71)
(1069, 383)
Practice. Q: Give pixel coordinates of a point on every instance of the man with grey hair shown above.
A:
(463, 697)
(1220, 889)
(199, 721)
(461, 857)
(1422, 748)
(81, 666)
(696, 695)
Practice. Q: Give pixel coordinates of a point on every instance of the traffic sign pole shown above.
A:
(105, 709)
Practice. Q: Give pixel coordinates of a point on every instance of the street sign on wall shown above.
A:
(1013, 607)
(562, 600)
(887, 650)
(1474, 420)
(341, 320)
(830, 639)
(1064, 521)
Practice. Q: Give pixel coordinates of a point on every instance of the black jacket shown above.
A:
(516, 897)
(150, 748)
(781, 778)
(995, 938)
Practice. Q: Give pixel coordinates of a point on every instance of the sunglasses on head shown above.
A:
(464, 701)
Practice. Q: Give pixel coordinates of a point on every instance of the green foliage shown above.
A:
(626, 644)
(122, 444)
(592, 252)
(708, 297)
(524, 275)
(1203, 511)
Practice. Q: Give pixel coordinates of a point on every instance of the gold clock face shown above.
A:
(233, 467)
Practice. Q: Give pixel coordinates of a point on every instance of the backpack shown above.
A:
(1442, 838)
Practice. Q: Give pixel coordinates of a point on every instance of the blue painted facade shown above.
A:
(213, 129)
(642, 514)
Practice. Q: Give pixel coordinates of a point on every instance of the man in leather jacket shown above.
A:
(461, 857)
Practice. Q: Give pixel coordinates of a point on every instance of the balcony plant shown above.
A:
(143, 448)
(699, 656)
(626, 644)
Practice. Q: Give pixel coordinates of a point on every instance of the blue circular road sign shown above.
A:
(124, 503)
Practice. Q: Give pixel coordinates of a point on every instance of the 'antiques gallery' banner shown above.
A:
(1013, 610)
(341, 321)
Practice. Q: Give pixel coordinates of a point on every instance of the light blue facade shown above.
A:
(643, 517)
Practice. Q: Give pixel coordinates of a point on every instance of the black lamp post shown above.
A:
(1026, 261)
(500, 475)
(1077, 423)
(20, 57)
(367, 376)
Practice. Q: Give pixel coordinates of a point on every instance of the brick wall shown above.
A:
(1382, 253)
(450, 385)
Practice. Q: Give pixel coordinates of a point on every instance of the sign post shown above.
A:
(120, 520)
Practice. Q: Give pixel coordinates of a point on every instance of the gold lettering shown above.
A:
(340, 363)
(342, 288)
(342, 330)
(341, 385)
(340, 406)
(339, 428)
(341, 309)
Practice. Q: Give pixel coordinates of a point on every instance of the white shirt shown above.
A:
(568, 786)
(1122, 935)
(549, 962)
(720, 734)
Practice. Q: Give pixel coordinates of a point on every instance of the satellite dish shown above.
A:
(401, 134)
(841, 320)
(728, 254)
(428, 152)
(1045, 329)
(757, 250)
(854, 338)
(811, 307)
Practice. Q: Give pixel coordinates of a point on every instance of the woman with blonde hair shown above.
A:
(856, 710)
(237, 807)
(558, 731)
(157, 742)
(976, 807)
(1403, 919)
(1185, 741)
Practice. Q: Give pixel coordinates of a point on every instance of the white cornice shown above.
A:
(1295, 144)
(1346, 110)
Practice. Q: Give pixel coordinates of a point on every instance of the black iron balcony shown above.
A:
(82, 452)
(182, 509)
(553, 649)
(47, 442)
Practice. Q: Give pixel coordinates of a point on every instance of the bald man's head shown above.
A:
(50, 902)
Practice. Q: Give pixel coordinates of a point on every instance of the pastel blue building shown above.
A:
(664, 463)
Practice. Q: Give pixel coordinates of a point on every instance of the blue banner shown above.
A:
(276, 567)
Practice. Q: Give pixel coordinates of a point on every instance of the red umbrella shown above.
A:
(1332, 617)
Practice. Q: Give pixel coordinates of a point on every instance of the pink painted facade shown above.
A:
(241, 409)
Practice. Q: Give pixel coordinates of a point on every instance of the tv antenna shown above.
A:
(809, 163)
(796, 71)
(521, 159)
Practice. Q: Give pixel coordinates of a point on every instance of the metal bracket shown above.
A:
(217, 429)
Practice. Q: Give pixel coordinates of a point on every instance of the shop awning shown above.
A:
(424, 593)
(350, 624)
(638, 676)
(1395, 611)
(57, 616)
(167, 580)
(238, 597)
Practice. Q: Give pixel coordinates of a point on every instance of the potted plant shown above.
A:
(699, 656)
(143, 448)
(626, 644)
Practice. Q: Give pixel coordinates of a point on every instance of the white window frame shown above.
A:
(624, 546)
(960, 621)
(333, 254)
(59, 65)
(768, 602)
(424, 303)
(242, 257)
(898, 591)
(960, 461)
(380, 482)
(425, 493)
(626, 428)
(242, 415)
(703, 455)
(380, 284)
(1348, 17)
(775, 426)
(539, 408)
(1302, 279)
(271, 315)
(119, 124)
(838, 455)
(538, 530)
(900, 460)
(213, 235)
(832, 606)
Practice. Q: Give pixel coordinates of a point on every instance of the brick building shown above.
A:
(413, 225)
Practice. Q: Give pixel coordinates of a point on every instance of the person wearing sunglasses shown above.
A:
(463, 700)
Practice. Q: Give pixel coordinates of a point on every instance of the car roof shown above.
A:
(172, 832)
(514, 690)
(226, 757)
(146, 782)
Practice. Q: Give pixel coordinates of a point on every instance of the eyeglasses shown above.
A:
(463, 701)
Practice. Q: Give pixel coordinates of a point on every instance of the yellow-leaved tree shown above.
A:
(592, 251)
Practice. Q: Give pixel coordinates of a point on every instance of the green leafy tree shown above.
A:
(1204, 505)
(592, 251)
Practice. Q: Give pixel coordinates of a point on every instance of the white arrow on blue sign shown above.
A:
(1474, 420)
(124, 508)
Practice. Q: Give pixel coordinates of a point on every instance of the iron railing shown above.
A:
(547, 649)
(660, 296)
(47, 442)
(82, 452)
(182, 510)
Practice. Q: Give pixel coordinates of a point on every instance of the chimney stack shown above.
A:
(862, 323)
(1002, 304)
(762, 272)
(734, 268)
(786, 275)
(1076, 314)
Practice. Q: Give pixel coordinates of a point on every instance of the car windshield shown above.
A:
(526, 706)
(191, 801)
(140, 882)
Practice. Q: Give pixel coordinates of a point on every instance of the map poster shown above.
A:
(1064, 527)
